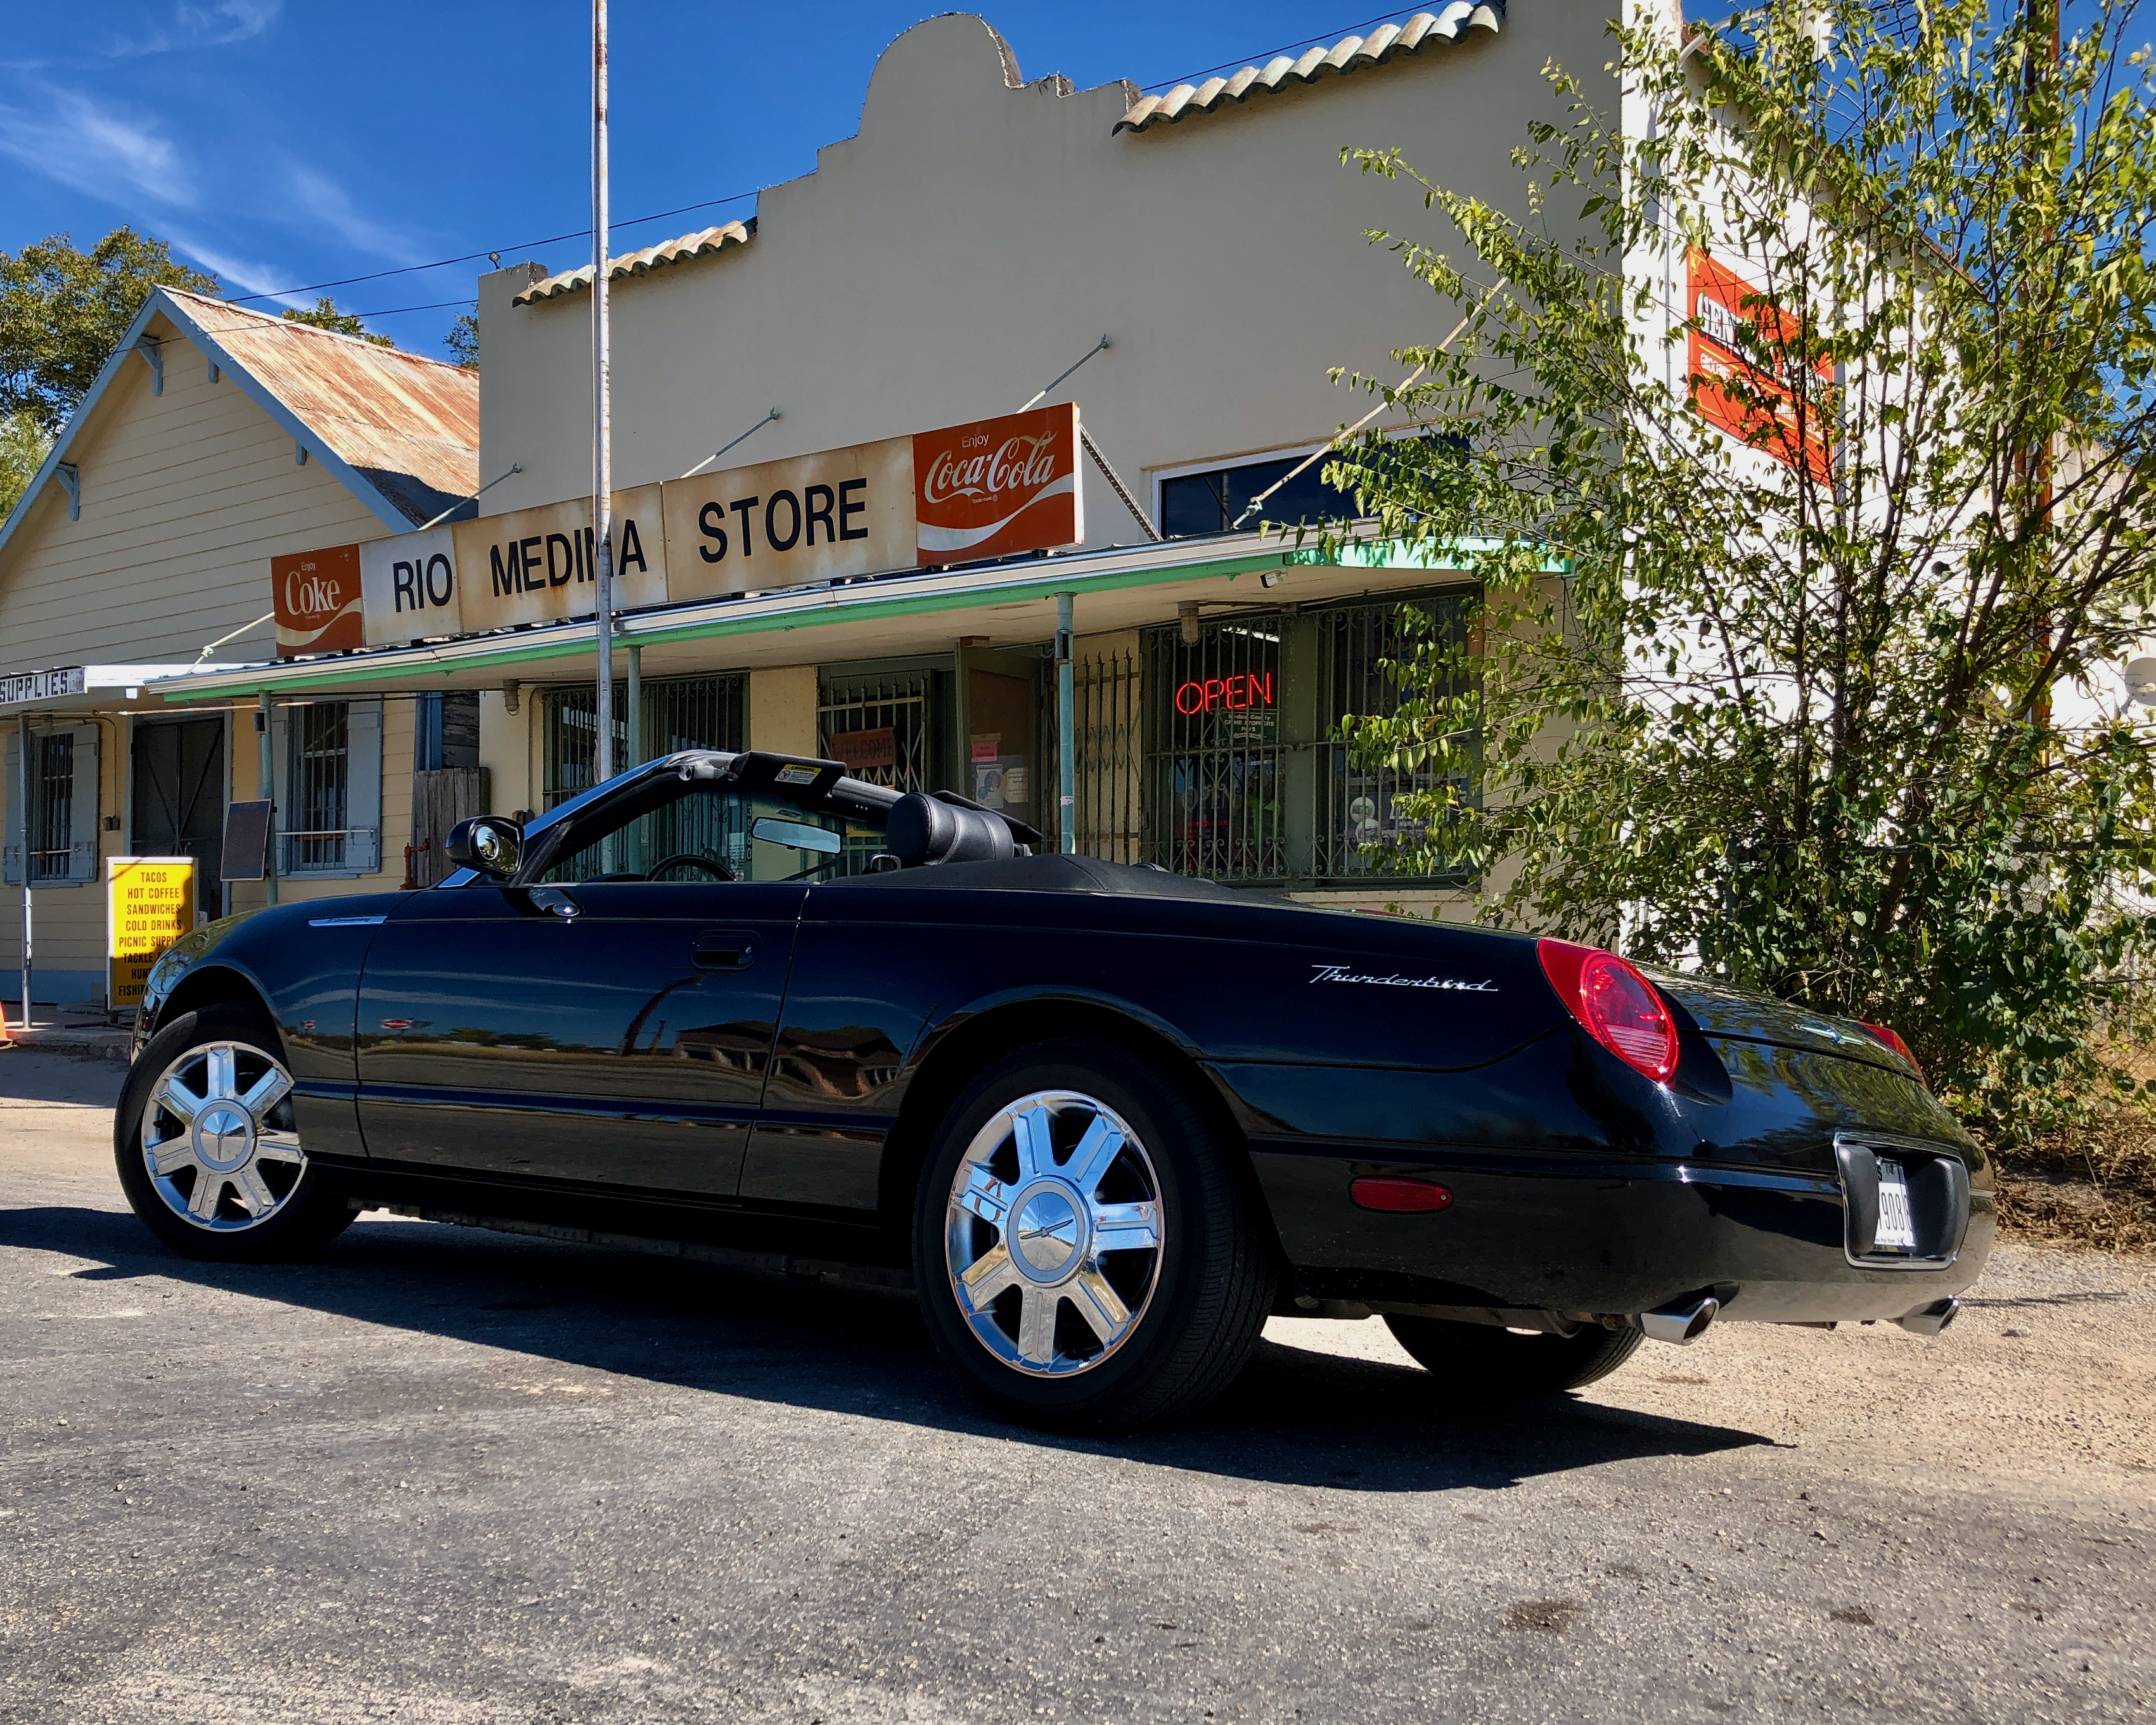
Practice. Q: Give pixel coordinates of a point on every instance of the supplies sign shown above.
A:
(148, 903)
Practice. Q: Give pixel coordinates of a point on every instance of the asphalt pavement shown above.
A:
(439, 1475)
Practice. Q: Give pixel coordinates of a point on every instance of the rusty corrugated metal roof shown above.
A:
(409, 426)
(1441, 28)
(652, 257)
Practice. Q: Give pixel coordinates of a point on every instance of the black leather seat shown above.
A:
(922, 830)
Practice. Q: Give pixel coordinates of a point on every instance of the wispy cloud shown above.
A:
(100, 150)
(320, 199)
(236, 273)
(202, 26)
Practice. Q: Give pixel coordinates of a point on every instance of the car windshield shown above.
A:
(714, 832)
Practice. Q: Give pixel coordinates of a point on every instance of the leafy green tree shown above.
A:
(24, 444)
(1835, 714)
(462, 340)
(324, 315)
(63, 310)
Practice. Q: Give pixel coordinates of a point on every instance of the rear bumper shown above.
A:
(1590, 1235)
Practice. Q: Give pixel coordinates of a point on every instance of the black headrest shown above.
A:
(920, 830)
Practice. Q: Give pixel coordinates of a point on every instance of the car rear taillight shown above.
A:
(1896, 1043)
(1619, 1008)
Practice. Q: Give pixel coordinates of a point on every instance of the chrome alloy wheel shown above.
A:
(218, 1137)
(1053, 1232)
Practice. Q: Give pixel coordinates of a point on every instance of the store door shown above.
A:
(1002, 730)
(178, 800)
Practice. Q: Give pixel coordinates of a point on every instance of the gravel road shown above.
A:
(444, 1476)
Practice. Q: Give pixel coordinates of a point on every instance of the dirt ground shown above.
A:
(444, 1476)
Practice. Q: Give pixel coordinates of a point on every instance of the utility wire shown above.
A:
(473, 257)
(735, 197)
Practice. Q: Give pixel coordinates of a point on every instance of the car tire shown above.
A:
(1090, 1255)
(206, 1149)
(1483, 1362)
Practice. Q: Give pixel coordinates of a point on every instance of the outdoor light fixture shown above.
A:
(2141, 681)
(1186, 617)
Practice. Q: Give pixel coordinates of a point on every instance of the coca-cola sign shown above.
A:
(316, 595)
(998, 487)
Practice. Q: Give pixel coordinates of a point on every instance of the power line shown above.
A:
(473, 257)
(735, 198)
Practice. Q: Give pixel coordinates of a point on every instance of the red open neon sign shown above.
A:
(1234, 693)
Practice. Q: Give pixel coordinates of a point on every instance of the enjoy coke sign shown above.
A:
(997, 487)
(316, 596)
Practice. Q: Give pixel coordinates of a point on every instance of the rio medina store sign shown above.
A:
(991, 488)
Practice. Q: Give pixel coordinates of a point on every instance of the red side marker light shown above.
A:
(1616, 1005)
(1900, 1047)
(1387, 1192)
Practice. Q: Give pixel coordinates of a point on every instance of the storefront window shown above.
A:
(882, 727)
(1363, 831)
(52, 804)
(321, 784)
(678, 713)
(1213, 755)
(1242, 777)
(1191, 503)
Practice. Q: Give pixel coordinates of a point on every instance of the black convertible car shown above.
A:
(1109, 1118)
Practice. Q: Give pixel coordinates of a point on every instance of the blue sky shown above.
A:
(285, 144)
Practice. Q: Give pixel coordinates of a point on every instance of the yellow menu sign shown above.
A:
(148, 903)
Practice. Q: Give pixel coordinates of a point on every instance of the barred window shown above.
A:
(316, 827)
(59, 845)
(1364, 830)
(52, 804)
(1242, 774)
(1213, 778)
(329, 817)
(678, 713)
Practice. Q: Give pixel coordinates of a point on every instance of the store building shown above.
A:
(214, 438)
(978, 235)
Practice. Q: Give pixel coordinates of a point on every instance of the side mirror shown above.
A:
(488, 843)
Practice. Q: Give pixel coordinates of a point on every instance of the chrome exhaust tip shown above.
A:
(1680, 1324)
(1930, 1320)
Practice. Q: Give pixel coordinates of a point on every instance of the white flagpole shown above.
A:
(602, 403)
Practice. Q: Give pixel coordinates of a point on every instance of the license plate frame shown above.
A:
(1898, 1222)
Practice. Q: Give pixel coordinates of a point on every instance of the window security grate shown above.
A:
(882, 728)
(1361, 828)
(1213, 752)
(1107, 756)
(52, 806)
(318, 835)
(678, 713)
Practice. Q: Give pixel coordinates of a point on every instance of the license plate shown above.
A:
(1897, 1229)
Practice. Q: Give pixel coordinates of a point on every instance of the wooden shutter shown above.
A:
(10, 850)
(363, 795)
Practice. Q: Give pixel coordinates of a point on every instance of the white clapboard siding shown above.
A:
(186, 497)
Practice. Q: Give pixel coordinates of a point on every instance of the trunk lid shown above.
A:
(1726, 1011)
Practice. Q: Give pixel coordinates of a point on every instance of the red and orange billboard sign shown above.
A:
(317, 600)
(997, 486)
(1740, 392)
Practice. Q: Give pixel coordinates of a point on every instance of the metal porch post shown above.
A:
(267, 789)
(22, 826)
(1067, 725)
